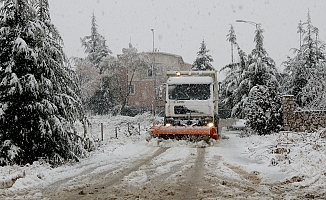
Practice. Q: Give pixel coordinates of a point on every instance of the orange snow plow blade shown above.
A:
(185, 130)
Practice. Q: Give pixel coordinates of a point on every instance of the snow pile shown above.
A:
(158, 142)
(301, 155)
(23, 176)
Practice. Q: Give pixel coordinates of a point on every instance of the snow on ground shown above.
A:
(302, 156)
(297, 158)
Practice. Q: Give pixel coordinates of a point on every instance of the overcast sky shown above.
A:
(180, 25)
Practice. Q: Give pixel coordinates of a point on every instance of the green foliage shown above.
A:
(39, 101)
(251, 70)
(95, 46)
(263, 108)
(253, 75)
(305, 72)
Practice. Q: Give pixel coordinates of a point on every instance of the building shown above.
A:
(146, 82)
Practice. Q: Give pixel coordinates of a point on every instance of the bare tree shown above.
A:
(89, 78)
(119, 73)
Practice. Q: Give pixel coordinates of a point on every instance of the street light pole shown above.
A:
(153, 74)
(153, 38)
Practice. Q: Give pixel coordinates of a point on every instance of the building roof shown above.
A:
(167, 54)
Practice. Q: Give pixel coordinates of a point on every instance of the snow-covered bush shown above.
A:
(8, 152)
(263, 108)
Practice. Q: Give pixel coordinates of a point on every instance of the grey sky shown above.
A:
(180, 26)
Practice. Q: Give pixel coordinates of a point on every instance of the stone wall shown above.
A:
(300, 121)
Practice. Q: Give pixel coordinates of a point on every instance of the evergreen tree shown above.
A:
(39, 101)
(102, 102)
(235, 87)
(95, 46)
(263, 108)
(261, 67)
(306, 71)
(232, 38)
(300, 31)
(228, 97)
(255, 69)
(97, 50)
(203, 60)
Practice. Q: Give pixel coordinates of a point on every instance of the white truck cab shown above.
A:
(191, 98)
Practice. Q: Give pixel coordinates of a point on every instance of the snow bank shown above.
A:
(301, 155)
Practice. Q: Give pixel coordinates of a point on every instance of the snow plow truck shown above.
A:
(191, 106)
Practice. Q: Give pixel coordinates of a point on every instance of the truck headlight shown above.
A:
(168, 124)
(211, 124)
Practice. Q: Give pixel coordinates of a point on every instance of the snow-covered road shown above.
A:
(131, 168)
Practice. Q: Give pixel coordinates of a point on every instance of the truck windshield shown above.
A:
(189, 92)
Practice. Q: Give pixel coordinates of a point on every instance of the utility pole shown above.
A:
(153, 74)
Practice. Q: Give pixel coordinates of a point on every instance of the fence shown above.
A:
(103, 131)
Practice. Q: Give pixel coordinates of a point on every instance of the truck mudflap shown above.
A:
(185, 130)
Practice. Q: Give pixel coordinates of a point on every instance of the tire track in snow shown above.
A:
(193, 178)
(56, 185)
(196, 176)
(106, 180)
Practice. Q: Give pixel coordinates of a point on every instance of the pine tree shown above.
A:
(95, 46)
(234, 88)
(264, 114)
(261, 67)
(39, 101)
(96, 50)
(263, 108)
(253, 70)
(233, 73)
(241, 84)
(232, 38)
(306, 70)
(104, 99)
(203, 60)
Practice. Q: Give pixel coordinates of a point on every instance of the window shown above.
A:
(149, 72)
(132, 89)
(155, 69)
(158, 68)
(189, 92)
